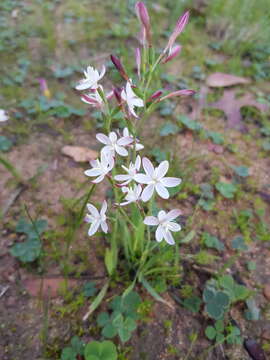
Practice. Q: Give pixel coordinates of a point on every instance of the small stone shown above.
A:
(266, 291)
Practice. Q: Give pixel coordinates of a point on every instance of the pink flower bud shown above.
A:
(180, 25)
(117, 94)
(185, 92)
(155, 95)
(117, 63)
(173, 53)
(143, 16)
(138, 61)
(44, 87)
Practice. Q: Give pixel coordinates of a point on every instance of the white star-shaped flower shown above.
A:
(131, 98)
(3, 115)
(114, 145)
(164, 225)
(155, 180)
(92, 76)
(100, 168)
(132, 170)
(97, 219)
(132, 194)
(138, 145)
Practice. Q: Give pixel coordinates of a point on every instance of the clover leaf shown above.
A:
(226, 189)
(27, 251)
(212, 242)
(89, 289)
(5, 143)
(235, 291)
(96, 350)
(216, 303)
(241, 171)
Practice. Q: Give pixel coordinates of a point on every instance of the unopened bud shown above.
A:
(185, 92)
(117, 63)
(173, 53)
(143, 16)
(180, 25)
(138, 61)
(155, 95)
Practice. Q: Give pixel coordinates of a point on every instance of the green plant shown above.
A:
(221, 333)
(76, 348)
(227, 190)
(105, 350)
(30, 249)
(216, 302)
(5, 144)
(212, 242)
(122, 320)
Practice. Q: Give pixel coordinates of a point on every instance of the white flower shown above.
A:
(94, 99)
(97, 219)
(113, 144)
(138, 146)
(132, 195)
(131, 98)
(3, 115)
(164, 225)
(100, 168)
(92, 76)
(131, 172)
(155, 180)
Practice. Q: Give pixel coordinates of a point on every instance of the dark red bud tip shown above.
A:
(117, 63)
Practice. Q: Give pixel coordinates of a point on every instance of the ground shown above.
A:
(41, 302)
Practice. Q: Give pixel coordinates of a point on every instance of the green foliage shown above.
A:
(188, 123)
(96, 350)
(158, 154)
(238, 243)
(207, 197)
(227, 190)
(76, 348)
(5, 144)
(122, 321)
(220, 333)
(89, 289)
(241, 171)
(216, 303)
(192, 303)
(253, 312)
(217, 138)
(212, 242)
(215, 332)
(168, 128)
(235, 291)
(30, 249)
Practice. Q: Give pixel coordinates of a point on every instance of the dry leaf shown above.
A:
(219, 79)
(231, 106)
(49, 287)
(79, 153)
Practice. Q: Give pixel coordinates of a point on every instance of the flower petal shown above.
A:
(160, 233)
(93, 228)
(121, 150)
(172, 226)
(123, 141)
(93, 210)
(151, 220)
(173, 214)
(142, 178)
(162, 169)
(148, 166)
(170, 181)
(104, 226)
(103, 139)
(162, 191)
(147, 192)
(122, 177)
(103, 207)
(92, 172)
(169, 238)
(98, 179)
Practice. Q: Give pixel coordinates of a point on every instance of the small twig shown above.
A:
(4, 290)
(12, 199)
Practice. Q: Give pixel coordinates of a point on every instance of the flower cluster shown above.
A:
(135, 185)
(138, 178)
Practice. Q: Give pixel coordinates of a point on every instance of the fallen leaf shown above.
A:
(219, 79)
(231, 106)
(49, 287)
(254, 349)
(79, 153)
